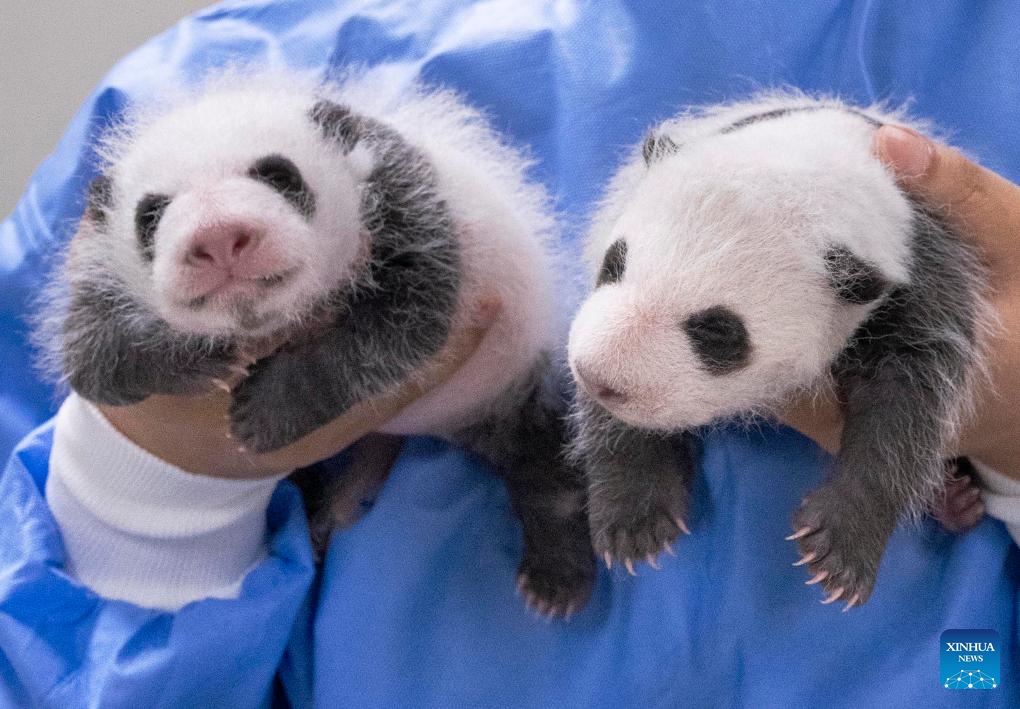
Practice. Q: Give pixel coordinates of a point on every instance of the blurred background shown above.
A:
(52, 52)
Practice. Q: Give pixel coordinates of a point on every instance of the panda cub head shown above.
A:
(231, 214)
(734, 257)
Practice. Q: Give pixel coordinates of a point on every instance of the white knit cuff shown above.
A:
(1001, 497)
(138, 529)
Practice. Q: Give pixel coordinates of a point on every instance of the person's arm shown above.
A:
(985, 208)
(158, 506)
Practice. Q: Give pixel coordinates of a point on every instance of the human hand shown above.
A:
(193, 432)
(984, 208)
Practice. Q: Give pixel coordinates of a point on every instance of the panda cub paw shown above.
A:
(556, 584)
(268, 410)
(958, 506)
(633, 527)
(841, 542)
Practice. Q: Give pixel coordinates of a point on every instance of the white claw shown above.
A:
(806, 559)
(855, 600)
(608, 558)
(220, 384)
(239, 370)
(630, 567)
(681, 525)
(650, 559)
(802, 532)
(820, 576)
(834, 596)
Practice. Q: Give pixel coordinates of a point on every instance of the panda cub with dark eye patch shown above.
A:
(744, 255)
(359, 224)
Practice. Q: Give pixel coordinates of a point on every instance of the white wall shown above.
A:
(52, 53)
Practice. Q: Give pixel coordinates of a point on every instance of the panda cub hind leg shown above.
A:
(524, 435)
(958, 508)
(638, 483)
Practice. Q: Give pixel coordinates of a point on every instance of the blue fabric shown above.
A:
(415, 605)
(62, 646)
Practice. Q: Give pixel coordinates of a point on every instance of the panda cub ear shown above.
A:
(855, 280)
(657, 146)
(98, 200)
(338, 123)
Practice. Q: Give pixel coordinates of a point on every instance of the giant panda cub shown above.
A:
(746, 254)
(359, 223)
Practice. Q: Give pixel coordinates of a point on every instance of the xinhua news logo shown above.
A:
(970, 659)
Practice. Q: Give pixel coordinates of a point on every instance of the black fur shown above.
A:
(638, 482)
(614, 264)
(389, 325)
(896, 381)
(855, 280)
(338, 124)
(719, 339)
(657, 146)
(523, 435)
(148, 212)
(116, 353)
(99, 200)
(283, 176)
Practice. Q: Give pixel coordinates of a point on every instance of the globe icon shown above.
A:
(970, 679)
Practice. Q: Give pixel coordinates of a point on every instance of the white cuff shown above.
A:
(1001, 497)
(138, 529)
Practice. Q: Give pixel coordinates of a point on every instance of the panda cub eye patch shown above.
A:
(719, 339)
(148, 212)
(283, 176)
(614, 263)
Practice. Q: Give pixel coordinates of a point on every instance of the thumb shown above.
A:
(981, 205)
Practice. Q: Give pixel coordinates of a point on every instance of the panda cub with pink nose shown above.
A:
(358, 224)
(747, 254)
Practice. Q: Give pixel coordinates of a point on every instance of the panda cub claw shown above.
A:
(840, 560)
(555, 590)
(635, 539)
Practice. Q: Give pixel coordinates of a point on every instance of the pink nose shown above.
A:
(601, 391)
(222, 246)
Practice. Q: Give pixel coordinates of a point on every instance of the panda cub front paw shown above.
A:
(841, 541)
(629, 527)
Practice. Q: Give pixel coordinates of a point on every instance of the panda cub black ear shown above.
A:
(613, 264)
(657, 146)
(338, 123)
(855, 280)
(99, 199)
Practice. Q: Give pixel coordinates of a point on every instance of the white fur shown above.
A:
(198, 144)
(738, 219)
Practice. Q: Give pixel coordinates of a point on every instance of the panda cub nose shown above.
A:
(221, 246)
(599, 389)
